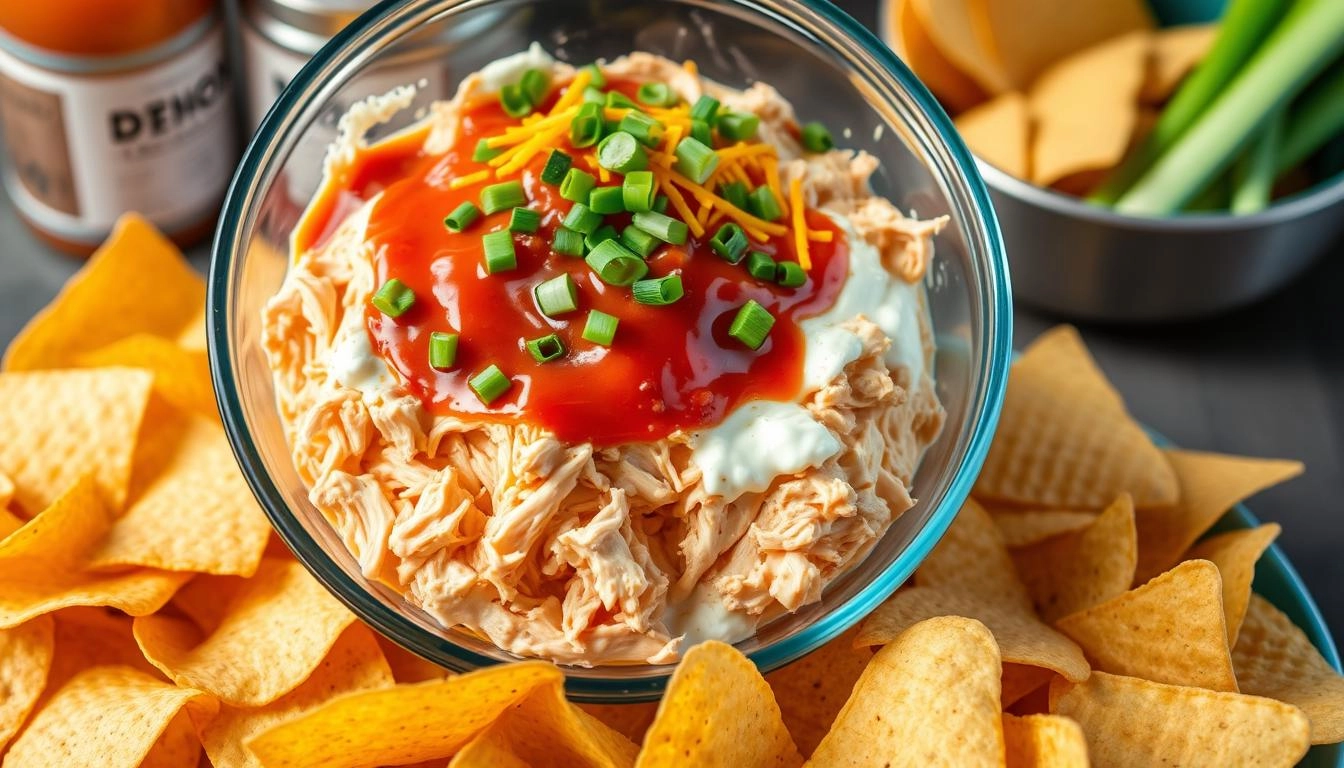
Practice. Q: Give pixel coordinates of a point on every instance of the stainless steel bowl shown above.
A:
(1089, 263)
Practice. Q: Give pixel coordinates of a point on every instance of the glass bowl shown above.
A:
(831, 68)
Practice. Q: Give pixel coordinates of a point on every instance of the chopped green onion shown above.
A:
(730, 242)
(606, 200)
(764, 204)
(637, 191)
(790, 274)
(524, 220)
(660, 204)
(499, 253)
(761, 266)
(502, 196)
(658, 292)
(615, 264)
(442, 350)
(596, 79)
(738, 126)
(701, 132)
(546, 349)
(484, 153)
(489, 384)
(736, 193)
(609, 127)
(622, 153)
(618, 100)
(817, 138)
(752, 324)
(514, 100)
(645, 129)
(463, 216)
(577, 185)
(695, 160)
(582, 219)
(705, 108)
(604, 232)
(662, 226)
(567, 242)
(586, 127)
(657, 95)
(600, 327)
(593, 95)
(535, 83)
(639, 241)
(557, 165)
(394, 298)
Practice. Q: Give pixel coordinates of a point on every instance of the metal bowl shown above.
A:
(1074, 259)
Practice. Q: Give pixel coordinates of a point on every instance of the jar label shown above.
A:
(85, 148)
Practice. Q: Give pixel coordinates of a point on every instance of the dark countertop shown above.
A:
(1265, 381)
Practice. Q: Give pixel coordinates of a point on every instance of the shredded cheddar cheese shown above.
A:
(468, 180)
(573, 92)
(799, 221)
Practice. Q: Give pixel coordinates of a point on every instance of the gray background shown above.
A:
(1265, 381)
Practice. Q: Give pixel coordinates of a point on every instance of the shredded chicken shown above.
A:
(576, 553)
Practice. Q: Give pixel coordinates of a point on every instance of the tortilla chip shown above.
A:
(1170, 630)
(1078, 570)
(999, 132)
(973, 559)
(181, 376)
(1176, 53)
(914, 45)
(58, 425)
(408, 667)
(193, 336)
(490, 749)
(545, 729)
(1235, 553)
(932, 693)
(1078, 125)
(1275, 659)
(1210, 484)
(94, 637)
(1028, 38)
(811, 690)
(42, 564)
(25, 660)
(1128, 721)
(6, 493)
(1043, 741)
(355, 663)
(1022, 528)
(112, 717)
(137, 282)
(193, 510)
(1065, 440)
(9, 523)
(951, 28)
(718, 708)
(630, 720)
(402, 724)
(1019, 680)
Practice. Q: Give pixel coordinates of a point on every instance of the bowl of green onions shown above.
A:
(1236, 190)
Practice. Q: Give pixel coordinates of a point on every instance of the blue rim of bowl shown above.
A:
(994, 352)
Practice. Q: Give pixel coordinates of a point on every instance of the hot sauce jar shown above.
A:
(115, 106)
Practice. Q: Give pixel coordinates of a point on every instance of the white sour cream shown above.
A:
(509, 69)
(702, 616)
(354, 364)
(758, 442)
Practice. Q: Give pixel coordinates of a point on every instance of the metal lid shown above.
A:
(320, 17)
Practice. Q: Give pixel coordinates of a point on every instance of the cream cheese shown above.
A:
(758, 442)
(353, 363)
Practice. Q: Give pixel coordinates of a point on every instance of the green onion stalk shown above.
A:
(1310, 38)
(1254, 172)
(1245, 24)
(1314, 119)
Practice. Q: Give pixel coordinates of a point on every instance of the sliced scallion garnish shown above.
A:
(695, 160)
(442, 350)
(734, 192)
(586, 128)
(790, 274)
(618, 100)
(606, 200)
(637, 191)
(524, 220)
(701, 132)
(567, 242)
(600, 328)
(604, 232)
(535, 83)
(764, 204)
(752, 324)
(576, 186)
(394, 298)
(738, 126)
(658, 292)
(582, 219)
(639, 241)
(657, 94)
(817, 138)
(662, 226)
(546, 348)
(593, 95)
(615, 264)
(645, 129)
(463, 216)
(761, 266)
(596, 79)
(622, 153)
(484, 153)
(705, 108)
(489, 384)
(556, 296)
(557, 165)
(499, 253)
(660, 204)
(514, 100)
(730, 242)
(502, 196)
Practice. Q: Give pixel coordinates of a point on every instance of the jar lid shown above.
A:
(319, 17)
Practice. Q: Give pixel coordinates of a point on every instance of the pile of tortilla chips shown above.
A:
(1053, 94)
(1073, 612)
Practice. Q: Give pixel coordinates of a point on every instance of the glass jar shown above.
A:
(115, 106)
